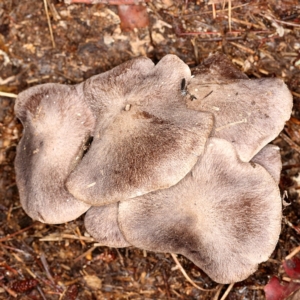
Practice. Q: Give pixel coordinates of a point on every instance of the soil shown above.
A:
(39, 261)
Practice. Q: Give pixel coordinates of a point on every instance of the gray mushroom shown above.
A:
(143, 133)
(57, 123)
(101, 222)
(269, 158)
(248, 113)
(225, 215)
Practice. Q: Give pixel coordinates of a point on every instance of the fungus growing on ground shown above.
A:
(57, 123)
(269, 158)
(177, 163)
(144, 132)
(102, 223)
(248, 113)
(225, 215)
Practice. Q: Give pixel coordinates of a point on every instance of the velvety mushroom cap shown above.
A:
(144, 132)
(248, 113)
(101, 222)
(269, 157)
(57, 123)
(225, 215)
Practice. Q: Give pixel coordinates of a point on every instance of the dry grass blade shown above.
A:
(187, 277)
(56, 237)
(227, 291)
(9, 291)
(290, 142)
(46, 267)
(293, 253)
(229, 15)
(9, 95)
(85, 254)
(49, 24)
(16, 233)
(219, 289)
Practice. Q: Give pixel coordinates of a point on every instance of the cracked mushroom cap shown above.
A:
(225, 215)
(57, 124)
(248, 113)
(143, 133)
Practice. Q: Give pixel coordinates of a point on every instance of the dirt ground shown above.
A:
(39, 261)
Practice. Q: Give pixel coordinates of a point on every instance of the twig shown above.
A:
(227, 291)
(16, 233)
(290, 142)
(46, 267)
(84, 254)
(16, 249)
(219, 289)
(187, 277)
(41, 292)
(293, 253)
(245, 23)
(7, 80)
(272, 18)
(49, 24)
(8, 290)
(121, 258)
(54, 237)
(167, 288)
(296, 94)
(9, 95)
(243, 48)
(229, 15)
(77, 230)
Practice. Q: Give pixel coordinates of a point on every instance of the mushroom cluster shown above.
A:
(160, 159)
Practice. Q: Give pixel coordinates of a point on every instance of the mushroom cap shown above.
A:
(143, 133)
(248, 113)
(269, 158)
(225, 215)
(57, 123)
(101, 222)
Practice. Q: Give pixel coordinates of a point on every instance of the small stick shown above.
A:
(121, 258)
(187, 277)
(296, 94)
(46, 267)
(84, 254)
(293, 253)
(214, 11)
(79, 234)
(227, 291)
(49, 24)
(41, 292)
(229, 15)
(219, 289)
(8, 290)
(16, 233)
(290, 142)
(243, 48)
(60, 237)
(245, 23)
(9, 95)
